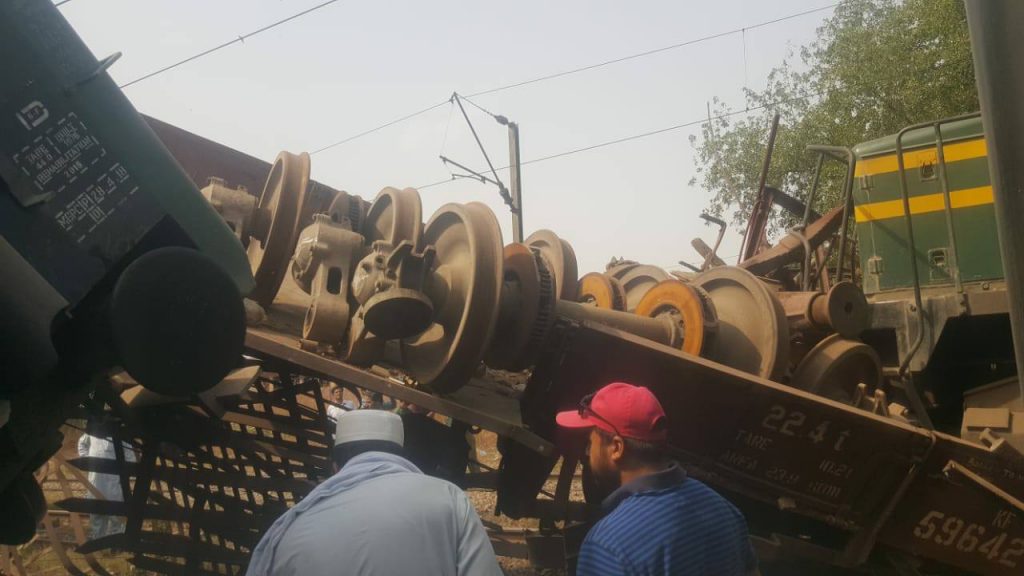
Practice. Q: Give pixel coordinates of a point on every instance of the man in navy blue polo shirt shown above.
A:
(657, 521)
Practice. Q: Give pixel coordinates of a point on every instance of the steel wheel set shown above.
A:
(378, 286)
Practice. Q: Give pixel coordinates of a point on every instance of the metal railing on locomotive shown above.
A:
(952, 261)
(908, 385)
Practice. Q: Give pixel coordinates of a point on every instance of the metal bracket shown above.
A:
(999, 446)
(954, 468)
(712, 256)
(860, 544)
(235, 205)
(322, 267)
(389, 286)
(101, 67)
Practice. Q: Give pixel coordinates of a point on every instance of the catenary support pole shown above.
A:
(995, 28)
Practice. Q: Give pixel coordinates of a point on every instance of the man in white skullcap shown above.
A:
(378, 515)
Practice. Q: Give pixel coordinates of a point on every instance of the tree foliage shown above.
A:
(875, 67)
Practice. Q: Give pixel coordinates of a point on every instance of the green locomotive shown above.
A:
(940, 321)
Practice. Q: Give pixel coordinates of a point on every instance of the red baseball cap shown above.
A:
(620, 408)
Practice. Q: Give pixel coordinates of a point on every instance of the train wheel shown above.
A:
(275, 229)
(464, 286)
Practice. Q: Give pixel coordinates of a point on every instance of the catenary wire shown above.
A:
(572, 71)
(651, 52)
(703, 120)
(241, 38)
(378, 128)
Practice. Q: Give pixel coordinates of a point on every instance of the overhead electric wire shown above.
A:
(475, 105)
(703, 120)
(381, 127)
(447, 126)
(651, 52)
(396, 121)
(241, 38)
(62, 2)
(576, 71)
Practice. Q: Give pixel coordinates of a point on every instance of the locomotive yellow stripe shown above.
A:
(924, 204)
(916, 158)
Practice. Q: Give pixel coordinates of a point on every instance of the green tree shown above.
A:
(875, 67)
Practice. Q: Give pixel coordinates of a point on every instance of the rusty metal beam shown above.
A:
(244, 528)
(203, 159)
(286, 348)
(790, 248)
(205, 477)
(762, 209)
(844, 468)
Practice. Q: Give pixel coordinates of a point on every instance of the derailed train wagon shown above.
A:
(824, 411)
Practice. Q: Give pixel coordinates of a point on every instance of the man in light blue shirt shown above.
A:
(92, 443)
(379, 515)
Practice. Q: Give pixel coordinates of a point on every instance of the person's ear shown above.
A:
(616, 449)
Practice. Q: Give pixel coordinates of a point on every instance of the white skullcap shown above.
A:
(369, 425)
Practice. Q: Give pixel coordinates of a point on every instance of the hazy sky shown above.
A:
(358, 63)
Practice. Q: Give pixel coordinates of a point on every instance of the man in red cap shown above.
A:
(657, 521)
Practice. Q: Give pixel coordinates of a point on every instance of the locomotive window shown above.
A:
(866, 182)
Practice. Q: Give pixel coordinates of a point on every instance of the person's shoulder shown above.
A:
(423, 483)
(692, 495)
(453, 490)
(425, 492)
(629, 516)
(602, 533)
(633, 515)
(714, 508)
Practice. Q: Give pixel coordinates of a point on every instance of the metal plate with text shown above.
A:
(753, 436)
